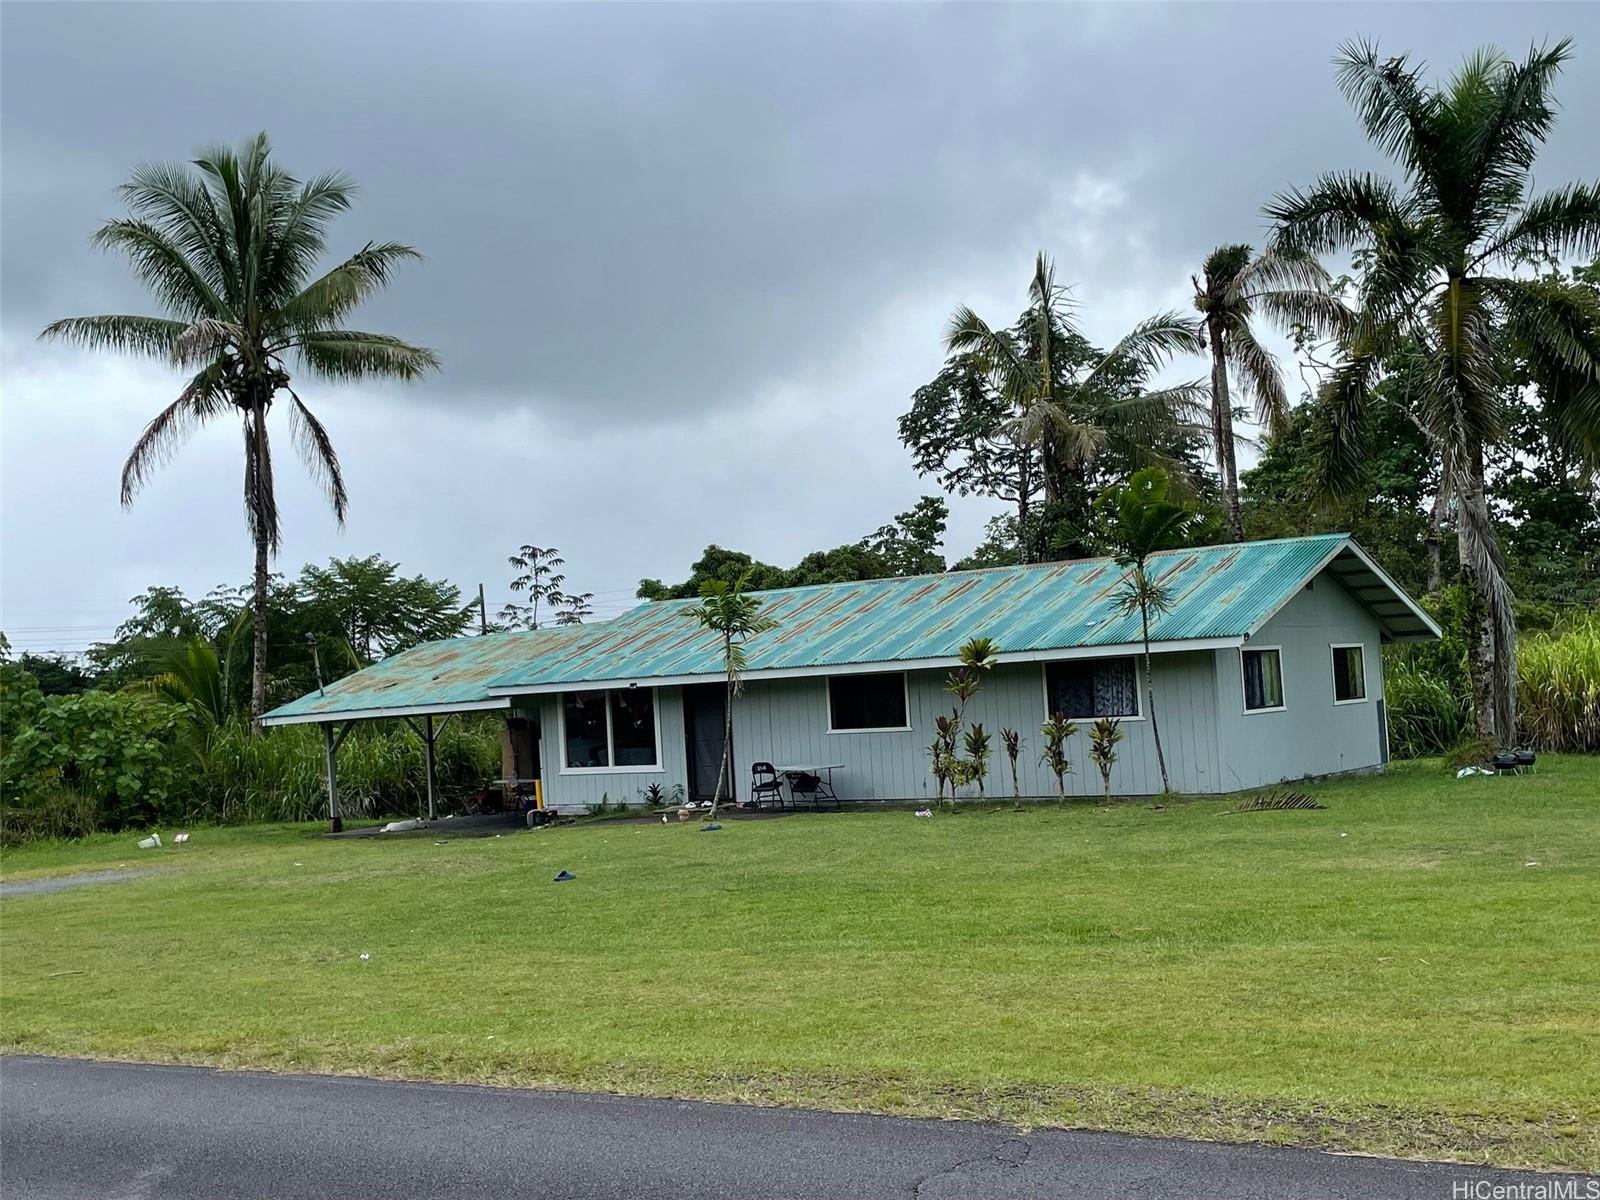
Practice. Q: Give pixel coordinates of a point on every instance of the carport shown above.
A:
(425, 686)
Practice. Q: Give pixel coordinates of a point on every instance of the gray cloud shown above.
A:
(658, 227)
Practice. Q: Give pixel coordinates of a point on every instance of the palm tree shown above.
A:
(1069, 414)
(1238, 284)
(1143, 521)
(1445, 251)
(228, 246)
(735, 616)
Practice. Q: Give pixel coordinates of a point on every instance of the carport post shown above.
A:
(427, 752)
(331, 747)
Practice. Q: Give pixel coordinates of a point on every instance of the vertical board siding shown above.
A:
(571, 793)
(1312, 735)
(785, 722)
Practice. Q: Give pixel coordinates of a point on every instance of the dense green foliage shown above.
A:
(910, 545)
(159, 733)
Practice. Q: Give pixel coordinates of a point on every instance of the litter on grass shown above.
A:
(563, 877)
(153, 842)
(709, 826)
(1465, 771)
(923, 812)
(181, 839)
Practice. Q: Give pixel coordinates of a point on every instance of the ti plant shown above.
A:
(1104, 735)
(978, 745)
(1055, 732)
(1012, 741)
(977, 656)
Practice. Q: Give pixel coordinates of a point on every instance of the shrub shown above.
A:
(112, 749)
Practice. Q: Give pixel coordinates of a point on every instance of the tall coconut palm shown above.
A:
(227, 246)
(1236, 287)
(1066, 412)
(1445, 254)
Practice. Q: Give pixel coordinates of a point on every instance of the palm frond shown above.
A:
(316, 450)
(162, 267)
(346, 354)
(1148, 346)
(1339, 209)
(1258, 370)
(154, 336)
(331, 298)
(1388, 97)
(1565, 221)
(201, 399)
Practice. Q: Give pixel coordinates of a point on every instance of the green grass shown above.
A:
(1387, 975)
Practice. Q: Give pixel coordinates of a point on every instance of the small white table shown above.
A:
(823, 769)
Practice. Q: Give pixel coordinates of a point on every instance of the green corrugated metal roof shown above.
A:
(454, 671)
(1218, 593)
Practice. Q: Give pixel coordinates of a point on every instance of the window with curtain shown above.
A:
(1092, 687)
(1349, 674)
(609, 729)
(1263, 679)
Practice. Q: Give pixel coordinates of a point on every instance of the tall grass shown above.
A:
(1558, 688)
(1428, 711)
(279, 775)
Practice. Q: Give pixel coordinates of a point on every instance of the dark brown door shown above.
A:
(703, 720)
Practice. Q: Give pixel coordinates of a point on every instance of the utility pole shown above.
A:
(316, 661)
(483, 612)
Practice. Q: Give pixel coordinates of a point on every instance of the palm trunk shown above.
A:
(258, 602)
(1432, 541)
(1222, 429)
(1482, 667)
(1150, 695)
(725, 770)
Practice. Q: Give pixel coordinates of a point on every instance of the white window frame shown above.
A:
(1283, 681)
(611, 748)
(1138, 684)
(905, 683)
(1333, 674)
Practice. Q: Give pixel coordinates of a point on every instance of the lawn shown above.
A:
(1413, 970)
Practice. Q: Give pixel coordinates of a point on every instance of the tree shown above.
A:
(1057, 731)
(1238, 284)
(911, 544)
(378, 611)
(1441, 253)
(1143, 521)
(227, 247)
(540, 579)
(1025, 413)
(735, 616)
(57, 674)
(977, 655)
(575, 608)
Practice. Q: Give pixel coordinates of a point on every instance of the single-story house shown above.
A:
(1266, 668)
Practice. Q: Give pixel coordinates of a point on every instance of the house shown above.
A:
(1266, 667)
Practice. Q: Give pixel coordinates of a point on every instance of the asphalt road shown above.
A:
(118, 1131)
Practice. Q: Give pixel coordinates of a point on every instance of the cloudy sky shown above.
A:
(686, 263)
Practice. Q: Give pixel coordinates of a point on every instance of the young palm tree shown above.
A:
(1142, 522)
(228, 247)
(1444, 251)
(1238, 286)
(735, 616)
(1052, 404)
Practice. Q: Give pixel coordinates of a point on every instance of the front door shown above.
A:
(703, 723)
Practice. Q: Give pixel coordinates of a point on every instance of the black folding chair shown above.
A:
(804, 783)
(764, 782)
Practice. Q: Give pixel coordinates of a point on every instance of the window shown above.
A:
(1092, 687)
(1349, 674)
(857, 702)
(609, 730)
(1263, 679)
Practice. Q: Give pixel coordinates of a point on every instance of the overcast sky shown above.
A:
(686, 263)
